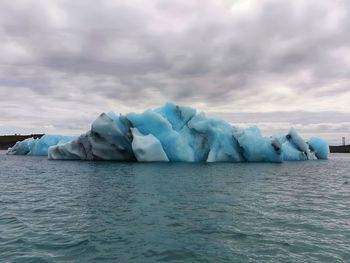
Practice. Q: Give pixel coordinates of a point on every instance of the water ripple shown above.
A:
(123, 212)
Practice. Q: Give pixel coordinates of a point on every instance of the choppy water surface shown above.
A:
(70, 211)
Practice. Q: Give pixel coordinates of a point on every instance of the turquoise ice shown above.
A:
(176, 134)
(40, 146)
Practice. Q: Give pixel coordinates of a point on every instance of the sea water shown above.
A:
(74, 211)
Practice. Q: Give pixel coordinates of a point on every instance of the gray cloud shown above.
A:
(78, 58)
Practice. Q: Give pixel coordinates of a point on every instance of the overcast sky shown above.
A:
(271, 63)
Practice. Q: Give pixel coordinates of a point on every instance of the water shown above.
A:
(71, 211)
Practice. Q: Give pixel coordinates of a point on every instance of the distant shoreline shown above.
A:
(7, 141)
(339, 149)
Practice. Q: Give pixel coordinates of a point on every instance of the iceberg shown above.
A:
(173, 133)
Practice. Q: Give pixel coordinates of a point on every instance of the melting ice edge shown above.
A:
(173, 133)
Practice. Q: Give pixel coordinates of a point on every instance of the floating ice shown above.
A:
(176, 134)
(40, 146)
(319, 147)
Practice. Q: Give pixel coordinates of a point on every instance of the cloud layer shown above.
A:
(64, 62)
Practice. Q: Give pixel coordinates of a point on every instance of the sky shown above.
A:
(271, 63)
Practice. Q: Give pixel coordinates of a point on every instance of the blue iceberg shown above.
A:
(173, 133)
(38, 146)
